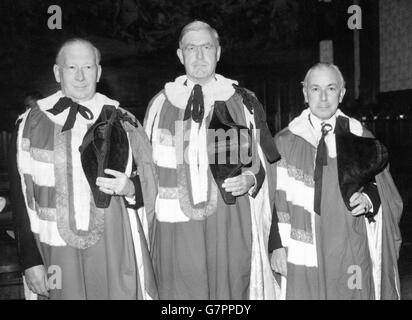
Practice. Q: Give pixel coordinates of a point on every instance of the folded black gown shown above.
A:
(105, 145)
(225, 156)
(360, 159)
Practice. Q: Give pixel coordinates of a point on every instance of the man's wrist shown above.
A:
(254, 181)
(130, 189)
(370, 204)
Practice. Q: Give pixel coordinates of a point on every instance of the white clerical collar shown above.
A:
(218, 89)
(95, 105)
(190, 84)
(59, 94)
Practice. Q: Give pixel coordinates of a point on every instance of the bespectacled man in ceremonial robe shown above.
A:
(213, 211)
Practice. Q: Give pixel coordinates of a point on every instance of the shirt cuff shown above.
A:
(131, 201)
(252, 189)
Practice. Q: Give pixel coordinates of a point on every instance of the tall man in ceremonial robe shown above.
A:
(213, 218)
(338, 208)
(81, 168)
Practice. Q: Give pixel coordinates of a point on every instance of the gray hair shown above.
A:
(322, 65)
(69, 42)
(196, 26)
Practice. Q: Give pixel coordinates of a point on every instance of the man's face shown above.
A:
(78, 72)
(199, 54)
(323, 92)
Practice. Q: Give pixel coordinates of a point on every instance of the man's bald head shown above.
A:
(323, 65)
(60, 53)
(197, 26)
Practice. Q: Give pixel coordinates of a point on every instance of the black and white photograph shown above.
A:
(200, 150)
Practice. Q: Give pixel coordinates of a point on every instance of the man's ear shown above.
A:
(99, 72)
(342, 94)
(218, 52)
(56, 72)
(179, 53)
(305, 94)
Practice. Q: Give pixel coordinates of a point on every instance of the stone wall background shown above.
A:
(395, 45)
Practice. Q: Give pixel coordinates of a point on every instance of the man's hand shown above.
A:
(239, 185)
(361, 202)
(36, 279)
(279, 261)
(120, 185)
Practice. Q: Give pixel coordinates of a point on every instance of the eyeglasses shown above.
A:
(194, 48)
